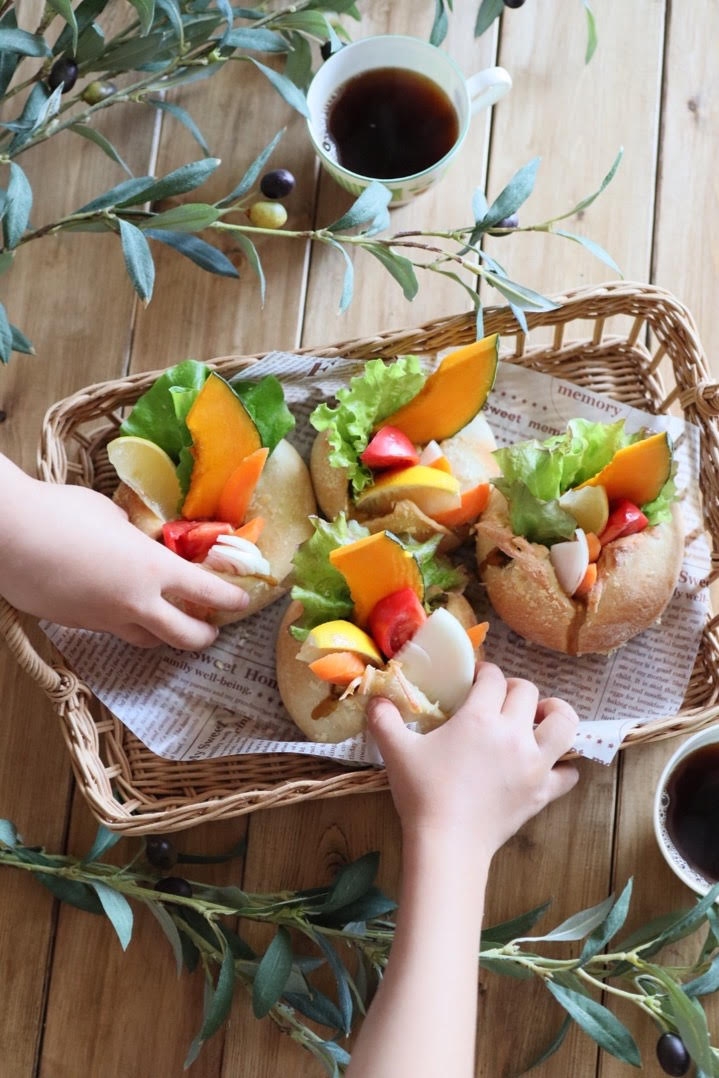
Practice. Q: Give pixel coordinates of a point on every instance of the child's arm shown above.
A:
(461, 792)
(70, 555)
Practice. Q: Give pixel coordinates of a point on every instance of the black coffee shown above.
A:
(693, 812)
(391, 122)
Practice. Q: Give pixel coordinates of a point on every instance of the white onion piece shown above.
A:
(439, 660)
(233, 554)
(431, 452)
(570, 561)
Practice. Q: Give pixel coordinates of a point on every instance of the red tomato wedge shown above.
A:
(395, 619)
(193, 539)
(389, 448)
(625, 518)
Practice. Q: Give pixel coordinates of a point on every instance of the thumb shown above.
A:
(387, 727)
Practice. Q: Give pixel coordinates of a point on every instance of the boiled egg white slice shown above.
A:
(430, 453)
(439, 660)
(232, 553)
(570, 561)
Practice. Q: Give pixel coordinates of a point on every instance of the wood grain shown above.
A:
(78, 1005)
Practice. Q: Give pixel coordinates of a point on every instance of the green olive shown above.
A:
(267, 214)
(98, 91)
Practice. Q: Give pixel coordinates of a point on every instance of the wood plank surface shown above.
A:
(78, 1005)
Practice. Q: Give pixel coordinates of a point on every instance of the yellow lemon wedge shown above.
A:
(338, 635)
(149, 472)
(432, 490)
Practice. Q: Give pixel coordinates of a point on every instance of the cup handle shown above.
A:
(487, 87)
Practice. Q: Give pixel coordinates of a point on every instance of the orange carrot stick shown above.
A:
(339, 667)
(477, 634)
(239, 488)
(442, 465)
(252, 530)
(595, 547)
(474, 501)
(588, 580)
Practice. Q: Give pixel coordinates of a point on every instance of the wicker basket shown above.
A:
(618, 339)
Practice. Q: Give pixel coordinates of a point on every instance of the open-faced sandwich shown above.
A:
(581, 544)
(205, 468)
(409, 452)
(373, 614)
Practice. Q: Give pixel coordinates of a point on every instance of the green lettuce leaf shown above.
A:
(321, 588)
(438, 574)
(368, 399)
(265, 402)
(535, 474)
(154, 415)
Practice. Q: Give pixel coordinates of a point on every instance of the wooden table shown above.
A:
(73, 1003)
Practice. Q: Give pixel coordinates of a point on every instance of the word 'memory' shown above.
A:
(600, 403)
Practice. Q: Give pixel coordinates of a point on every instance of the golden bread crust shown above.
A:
(636, 580)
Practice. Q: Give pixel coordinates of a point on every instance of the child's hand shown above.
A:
(70, 555)
(487, 770)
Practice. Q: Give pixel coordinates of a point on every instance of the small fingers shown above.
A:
(198, 585)
(561, 779)
(521, 701)
(488, 691)
(173, 626)
(557, 727)
(387, 727)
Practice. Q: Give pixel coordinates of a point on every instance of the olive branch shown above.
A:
(349, 927)
(170, 43)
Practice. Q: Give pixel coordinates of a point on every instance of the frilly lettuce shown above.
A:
(535, 474)
(322, 589)
(368, 399)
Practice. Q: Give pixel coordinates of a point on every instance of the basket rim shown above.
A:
(59, 682)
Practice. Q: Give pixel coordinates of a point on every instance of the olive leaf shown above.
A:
(258, 39)
(398, 267)
(512, 196)
(6, 337)
(20, 343)
(599, 1022)
(146, 13)
(18, 203)
(344, 996)
(440, 24)
(348, 279)
(575, 927)
(104, 840)
(171, 10)
(706, 983)
(85, 14)
(272, 973)
(138, 259)
(690, 1021)
(250, 252)
(608, 928)
(351, 882)
(489, 10)
(8, 833)
(22, 43)
(316, 1006)
(591, 32)
(252, 174)
(369, 209)
(74, 892)
(189, 217)
(284, 86)
(218, 1000)
(118, 911)
(168, 926)
(554, 1045)
(90, 46)
(510, 930)
(93, 135)
(184, 117)
(64, 8)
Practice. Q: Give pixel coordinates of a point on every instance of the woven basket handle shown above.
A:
(58, 684)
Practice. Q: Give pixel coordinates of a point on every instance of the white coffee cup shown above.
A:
(467, 95)
(665, 829)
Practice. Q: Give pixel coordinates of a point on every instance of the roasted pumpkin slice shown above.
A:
(452, 395)
(375, 566)
(638, 472)
(223, 434)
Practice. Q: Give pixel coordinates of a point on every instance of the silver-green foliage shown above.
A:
(348, 926)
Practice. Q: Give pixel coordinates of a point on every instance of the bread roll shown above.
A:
(322, 711)
(636, 578)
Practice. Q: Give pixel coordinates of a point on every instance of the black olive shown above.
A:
(63, 73)
(672, 1055)
(277, 184)
(98, 91)
(160, 851)
(326, 50)
(509, 222)
(513, 3)
(174, 885)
